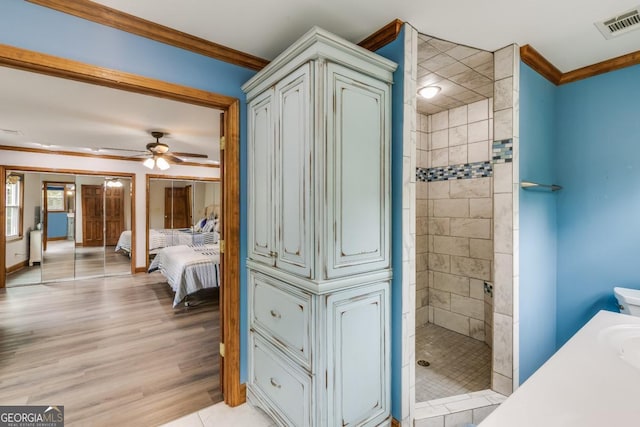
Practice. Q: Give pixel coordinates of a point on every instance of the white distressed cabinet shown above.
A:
(319, 234)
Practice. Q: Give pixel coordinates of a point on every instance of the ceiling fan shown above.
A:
(158, 155)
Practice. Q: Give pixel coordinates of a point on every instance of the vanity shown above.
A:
(592, 381)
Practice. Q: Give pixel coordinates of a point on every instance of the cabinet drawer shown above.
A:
(283, 313)
(278, 380)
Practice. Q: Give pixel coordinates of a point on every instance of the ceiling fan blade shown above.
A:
(191, 155)
(121, 149)
(172, 158)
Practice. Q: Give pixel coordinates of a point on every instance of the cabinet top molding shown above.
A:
(318, 43)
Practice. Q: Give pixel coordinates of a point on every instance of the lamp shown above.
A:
(158, 161)
(429, 92)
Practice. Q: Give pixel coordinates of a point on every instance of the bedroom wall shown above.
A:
(17, 159)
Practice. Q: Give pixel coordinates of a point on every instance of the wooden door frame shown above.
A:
(234, 392)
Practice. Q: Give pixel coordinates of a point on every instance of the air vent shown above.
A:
(619, 25)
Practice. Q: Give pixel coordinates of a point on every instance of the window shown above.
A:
(13, 201)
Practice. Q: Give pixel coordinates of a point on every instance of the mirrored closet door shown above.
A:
(67, 226)
(182, 211)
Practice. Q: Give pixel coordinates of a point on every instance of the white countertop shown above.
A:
(585, 384)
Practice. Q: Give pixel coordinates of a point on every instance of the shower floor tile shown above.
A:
(457, 364)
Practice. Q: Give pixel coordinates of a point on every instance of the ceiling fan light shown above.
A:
(429, 92)
(149, 163)
(162, 164)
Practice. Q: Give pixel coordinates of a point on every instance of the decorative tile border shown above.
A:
(502, 151)
(462, 171)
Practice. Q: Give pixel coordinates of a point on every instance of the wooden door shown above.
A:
(92, 215)
(114, 214)
(177, 211)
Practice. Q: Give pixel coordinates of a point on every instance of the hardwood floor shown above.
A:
(111, 350)
(63, 261)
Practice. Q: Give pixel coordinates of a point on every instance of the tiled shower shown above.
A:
(454, 221)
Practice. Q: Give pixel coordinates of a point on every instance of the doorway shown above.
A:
(233, 390)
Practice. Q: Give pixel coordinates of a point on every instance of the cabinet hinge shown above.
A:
(221, 246)
(222, 142)
(222, 349)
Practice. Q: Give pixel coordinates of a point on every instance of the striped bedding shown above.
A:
(159, 239)
(188, 268)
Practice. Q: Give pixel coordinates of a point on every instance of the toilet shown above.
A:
(628, 300)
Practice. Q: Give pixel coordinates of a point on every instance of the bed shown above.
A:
(163, 238)
(188, 268)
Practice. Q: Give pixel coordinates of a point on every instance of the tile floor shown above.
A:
(220, 415)
(458, 364)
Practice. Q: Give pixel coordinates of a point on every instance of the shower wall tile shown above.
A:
(476, 290)
(478, 131)
(478, 111)
(439, 262)
(481, 249)
(440, 121)
(480, 208)
(451, 245)
(470, 267)
(451, 283)
(503, 301)
(440, 299)
(470, 188)
(477, 329)
(503, 345)
(503, 124)
(503, 225)
(452, 321)
(459, 212)
(438, 190)
(478, 152)
(439, 226)
(457, 136)
(456, 208)
(502, 178)
(458, 154)
(467, 306)
(479, 228)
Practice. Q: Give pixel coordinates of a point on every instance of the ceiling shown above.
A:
(463, 74)
(58, 114)
(562, 31)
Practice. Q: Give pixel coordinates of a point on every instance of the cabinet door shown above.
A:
(358, 352)
(261, 175)
(293, 130)
(358, 168)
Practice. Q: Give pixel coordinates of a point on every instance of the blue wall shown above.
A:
(56, 225)
(598, 163)
(33, 27)
(538, 228)
(395, 52)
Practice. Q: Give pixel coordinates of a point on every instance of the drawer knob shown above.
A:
(275, 314)
(275, 383)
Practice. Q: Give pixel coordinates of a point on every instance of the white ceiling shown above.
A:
(62, 114)
(562, 31)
